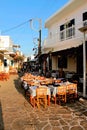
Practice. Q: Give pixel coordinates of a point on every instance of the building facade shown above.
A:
(63, 47)
(6, 53)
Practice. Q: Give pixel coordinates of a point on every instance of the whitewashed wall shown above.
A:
(53, 39)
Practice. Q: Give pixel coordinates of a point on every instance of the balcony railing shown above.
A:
(85, 23)
(67, 33)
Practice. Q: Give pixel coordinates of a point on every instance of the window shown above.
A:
(61, 27)
(70, 31)
(71, 23)
(62, 36)
(85, 19)
(84, 16)
(5, 62)
(12, 62)
(67, 30)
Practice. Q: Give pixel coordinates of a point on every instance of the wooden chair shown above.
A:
(75, 90)
(71, 92)
(5, 76)
(61, 94)
(41, 97)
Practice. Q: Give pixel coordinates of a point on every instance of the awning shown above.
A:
(8, 57)
(63, 45)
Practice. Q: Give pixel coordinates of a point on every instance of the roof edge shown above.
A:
(59, 11)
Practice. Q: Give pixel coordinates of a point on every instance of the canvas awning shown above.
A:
(8, 57)
(71, 43)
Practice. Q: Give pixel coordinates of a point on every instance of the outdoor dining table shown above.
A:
(32, 91)
(54, 90)
(49, 83)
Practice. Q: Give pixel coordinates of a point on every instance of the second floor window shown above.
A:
(85, 19)
(62, 36)
(67, 30)
(84, 16)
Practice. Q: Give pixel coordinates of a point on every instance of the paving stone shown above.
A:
(76, 128)
(65, 128)
(56, 128)
(54, 123)
(62, 122)
(47, 127)
(85, 113)
(84, 124)
(40, 125)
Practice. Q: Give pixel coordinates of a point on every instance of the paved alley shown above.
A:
(16, 113)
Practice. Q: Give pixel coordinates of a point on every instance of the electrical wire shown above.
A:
(10, 29)
(17, 26)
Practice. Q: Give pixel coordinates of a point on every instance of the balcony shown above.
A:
(67, 33)
(6, 49)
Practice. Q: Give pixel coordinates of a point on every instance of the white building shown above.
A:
(63, 46)
(6, 49)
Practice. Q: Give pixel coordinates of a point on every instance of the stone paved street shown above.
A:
(16, 113)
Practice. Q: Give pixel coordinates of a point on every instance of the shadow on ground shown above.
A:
(17, 83)
(1, 118)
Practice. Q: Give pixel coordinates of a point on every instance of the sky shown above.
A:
(15, 16)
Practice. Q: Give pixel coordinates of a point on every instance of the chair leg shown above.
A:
(48, 100)
(55, 100)
(38, 103)
(45, 103)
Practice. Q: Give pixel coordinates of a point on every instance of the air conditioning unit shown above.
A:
(85, 23)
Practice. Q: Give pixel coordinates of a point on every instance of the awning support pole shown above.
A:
(84, 67)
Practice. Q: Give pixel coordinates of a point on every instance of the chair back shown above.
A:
(61, 90)
(61, 94)
(71, 92)
(72, 88)
(41, 96)
(41, 92)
